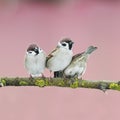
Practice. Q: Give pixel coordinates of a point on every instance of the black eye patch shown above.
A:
(36, 51)
(30, 52)
(63, 44)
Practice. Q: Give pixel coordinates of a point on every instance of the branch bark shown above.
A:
(60, 82)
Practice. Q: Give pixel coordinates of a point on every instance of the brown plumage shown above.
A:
(78, 64)
(32, 47)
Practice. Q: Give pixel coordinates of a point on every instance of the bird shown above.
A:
(78, 65)
(35, 60)
(60, 57)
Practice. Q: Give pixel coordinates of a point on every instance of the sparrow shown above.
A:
(78, 65)
(61, 57)
(35, 60)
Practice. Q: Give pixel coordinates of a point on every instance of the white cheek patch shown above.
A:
(66, 46)
(40, 50)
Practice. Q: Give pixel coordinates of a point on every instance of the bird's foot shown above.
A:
(30, 78)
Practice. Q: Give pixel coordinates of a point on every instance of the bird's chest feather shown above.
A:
(32, 59)
(63, 55)
(35, 61)
(60, 60)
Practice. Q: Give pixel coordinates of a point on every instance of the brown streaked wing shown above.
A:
(77, 55)
(51, 54)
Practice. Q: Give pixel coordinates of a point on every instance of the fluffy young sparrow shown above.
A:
(61, 57)
(78, 64)
(35, 60)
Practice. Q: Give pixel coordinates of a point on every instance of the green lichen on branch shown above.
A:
(40, 83)
(114, 86)
(60, 82)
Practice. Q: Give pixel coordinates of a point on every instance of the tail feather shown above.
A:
(90, 49)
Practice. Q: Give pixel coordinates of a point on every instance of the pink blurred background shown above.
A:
(92, 22)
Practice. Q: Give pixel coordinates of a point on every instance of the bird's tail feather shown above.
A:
(90, 49)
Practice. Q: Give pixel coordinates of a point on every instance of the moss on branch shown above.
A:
(60, 82)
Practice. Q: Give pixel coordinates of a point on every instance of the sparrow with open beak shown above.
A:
(35, 60)
(78, 64)
(61, 57)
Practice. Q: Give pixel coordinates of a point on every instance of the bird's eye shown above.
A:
(30, 52)
(63, 44)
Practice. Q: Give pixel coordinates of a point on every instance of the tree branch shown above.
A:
(60, 82)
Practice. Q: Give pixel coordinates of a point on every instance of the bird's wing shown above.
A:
(79, 55)
(52, 54)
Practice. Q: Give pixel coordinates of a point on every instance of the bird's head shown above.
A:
(33, 49)
(66, 43)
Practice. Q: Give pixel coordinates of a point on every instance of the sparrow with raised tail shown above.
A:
(78, 64)
(61, 57)
(35, 60)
